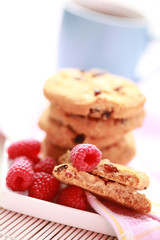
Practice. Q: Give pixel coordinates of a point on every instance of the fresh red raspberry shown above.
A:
(74, 197)
(45, 186)
(29, 148)
(45, 165)
(85, 157)
(20, 175)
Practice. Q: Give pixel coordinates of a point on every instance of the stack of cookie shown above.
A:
(91, 107)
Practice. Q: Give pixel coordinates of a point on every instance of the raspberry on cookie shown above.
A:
(115, 172)
(85, 157)
(120, 152)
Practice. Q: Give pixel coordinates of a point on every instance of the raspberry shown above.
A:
(20, 175)
(29, 148)
(45, 165)
(45, 186)
(85, 157)
(74, 197)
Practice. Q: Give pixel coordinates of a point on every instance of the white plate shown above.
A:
(19, 202)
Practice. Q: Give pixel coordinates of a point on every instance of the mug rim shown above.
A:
(103, 18)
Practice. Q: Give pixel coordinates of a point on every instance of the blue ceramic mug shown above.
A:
(104, 36)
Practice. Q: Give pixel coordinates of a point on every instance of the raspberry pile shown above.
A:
(29, 172)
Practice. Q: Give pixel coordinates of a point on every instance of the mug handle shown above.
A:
(148, 65)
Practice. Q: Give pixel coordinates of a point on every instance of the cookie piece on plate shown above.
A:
(94, 94)
(121, 174)
(117, 192)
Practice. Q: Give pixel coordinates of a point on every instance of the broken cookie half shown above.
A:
(111, 181)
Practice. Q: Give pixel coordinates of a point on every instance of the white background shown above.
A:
(28, 44)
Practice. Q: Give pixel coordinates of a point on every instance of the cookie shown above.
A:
(121, 174)
(95, 127)
(116, 172)
(94, 94)
(117, 192)
(65, 137)
(49, 149)
(121, 152)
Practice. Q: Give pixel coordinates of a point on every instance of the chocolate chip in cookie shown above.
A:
(117, 89)
(98, 73)
(106, 114)
(93, 110)
(79, 138)
(61, 168)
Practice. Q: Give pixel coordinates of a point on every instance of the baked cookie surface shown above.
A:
(124, 195)
(120, 152)
(94, 94)
(121, 174)
(50, 149)
(95, 127)
(65, 137)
